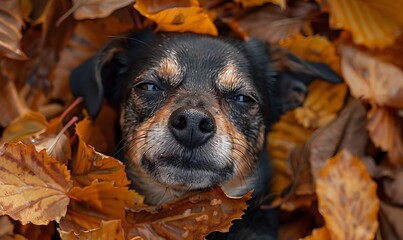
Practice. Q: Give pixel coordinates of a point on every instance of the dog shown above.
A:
(194, 111)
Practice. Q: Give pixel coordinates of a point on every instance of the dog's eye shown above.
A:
(148, 87)
(242, 98)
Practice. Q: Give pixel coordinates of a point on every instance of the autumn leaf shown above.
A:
(372, 23)
(88, 165)
(10, 30)
(107, 230)
(188, 16)
(319, 234)
(371, 79)
(390, 221)
(322, 104)
(33, 185)
(90, 9)
(100, 201)
(32, 231)
(192, 217)
(11, 103)
(347, 198)
(6, 226)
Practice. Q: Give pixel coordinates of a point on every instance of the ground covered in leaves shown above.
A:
(337, 159)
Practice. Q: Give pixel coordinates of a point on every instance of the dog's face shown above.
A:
(191, 115)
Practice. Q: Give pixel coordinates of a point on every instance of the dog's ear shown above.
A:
(103, 75)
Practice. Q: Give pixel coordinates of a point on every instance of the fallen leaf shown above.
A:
(88, 165)
(191, 18)
(6, 227)
(90, 9)
(12, 105)
(319, 234)
(192, 217)
(107, 230)
(392, 188)
(322, 104)
(371, 79)
(371, 23)
(347, 198)
(268, 23)
(33, 185)
(10, 30)
(295, 228)
(389, 137)
(32, 231)
(390, 221)
(255, 3)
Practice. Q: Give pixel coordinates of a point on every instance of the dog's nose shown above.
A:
(192, 127)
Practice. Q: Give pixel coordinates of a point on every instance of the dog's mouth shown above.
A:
(185, 173)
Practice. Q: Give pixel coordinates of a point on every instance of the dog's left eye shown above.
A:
(148, 87)
(242, 98)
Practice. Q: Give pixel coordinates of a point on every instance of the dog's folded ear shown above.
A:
(102, 75)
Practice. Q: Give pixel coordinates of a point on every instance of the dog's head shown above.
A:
(193, 109)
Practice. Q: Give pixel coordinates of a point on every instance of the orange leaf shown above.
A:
(385, 130)
(191, 18)
(347, 198)
(33, 186)
(319, 234)
(322, 104)
(192, 217)
(373, 23)
(107, 230)
(10, 30)
(84, 9)
(101, 201)
(88, 165)
(372, 79)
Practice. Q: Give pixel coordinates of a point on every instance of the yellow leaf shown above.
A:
(371, 79)
(347, 198)
(374, 23)
(33, 186)
(191, 217)
(178, 19)
(88, 165)
(322, 104)
(107, 230)
(313, 49)
(254, 3)
(319, 234)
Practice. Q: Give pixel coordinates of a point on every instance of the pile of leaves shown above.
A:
(337, 159)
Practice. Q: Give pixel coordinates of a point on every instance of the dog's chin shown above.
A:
(181, 175)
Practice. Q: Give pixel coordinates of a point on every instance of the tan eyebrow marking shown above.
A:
(170, 70)
(229, 79)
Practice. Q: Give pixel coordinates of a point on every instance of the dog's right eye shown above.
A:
(148, 87)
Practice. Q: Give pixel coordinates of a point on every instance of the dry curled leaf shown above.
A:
(33, 186)
(347, 198)
(107, 230)
(88, 165)
(372, 23)
(188, 17)
(10, 30)
(90, 9)
(371, 79)
(192, 217)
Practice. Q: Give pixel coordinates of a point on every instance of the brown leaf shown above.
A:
(32, 231)
(254, 3)
(393, 188)
(33, 185)
(107, 230)
(295, 228)
(185, 16)
(6, 227)
(10, 34)
(371, 79)
(11, 104)
(348, 131)
(268, 23)
(84, 9)
(389, 137)
(192, 217)
(100, 201)
(390, 221)
(88, 165)
(347, 198)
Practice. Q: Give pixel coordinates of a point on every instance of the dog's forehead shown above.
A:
(202, 62)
